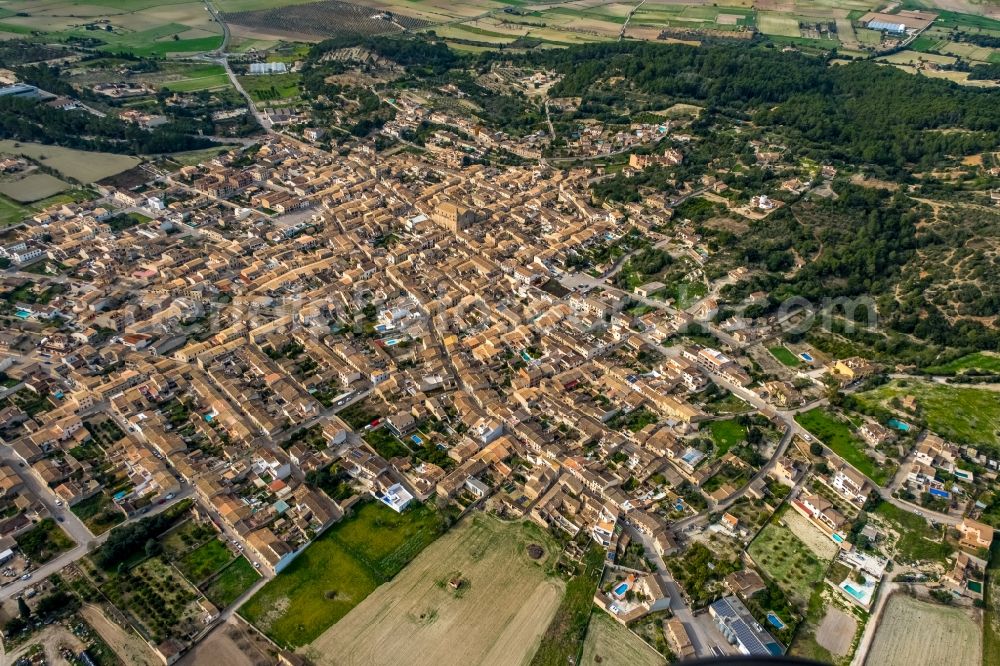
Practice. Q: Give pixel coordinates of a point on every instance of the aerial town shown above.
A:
(320, 396)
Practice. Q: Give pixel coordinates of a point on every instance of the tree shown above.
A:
(14, 626)
(816, 449)
(153, 548)
(22, 607)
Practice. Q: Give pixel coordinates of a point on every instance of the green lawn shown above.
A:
(11, 212)
(726, 434)
(98, 513)
(838, 435)
(960, 414)
(978, 361)
(785, 355)
(233, 581)
(339, 570)
(787, 560)
(204, 560)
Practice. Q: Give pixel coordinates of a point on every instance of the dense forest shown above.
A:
(861, 112)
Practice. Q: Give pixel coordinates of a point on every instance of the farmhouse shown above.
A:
(975, 534)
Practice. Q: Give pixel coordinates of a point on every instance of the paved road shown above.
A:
(71, 524)
(225, 28)
(621, 35)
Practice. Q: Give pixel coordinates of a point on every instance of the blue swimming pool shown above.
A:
(416, 440)
(23, 314)
(806, 357)
(898, 425)
(837, 538)
(853, 592)
(621, 589)
(526, 356)
(775, 621)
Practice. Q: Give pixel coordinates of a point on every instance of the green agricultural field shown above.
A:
(777, 23)
(34, 187)
(787, 560)
(11, 212)
(338, 570)
(785, 355)
(960, 414)
(948, 19)
(198, 77)
(271, 87)
(838, 435)
(231, 582)
(726, 434)
(204, 560)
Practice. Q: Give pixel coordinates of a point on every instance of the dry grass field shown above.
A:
(775, 23)
(80, 165)
(610, 644)
(497, 616)
(33, 187)
(819, 543)
(945, 636)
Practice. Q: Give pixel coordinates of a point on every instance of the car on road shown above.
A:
(256, 565)
(807, 437)
(26, 576)
(60, 519)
